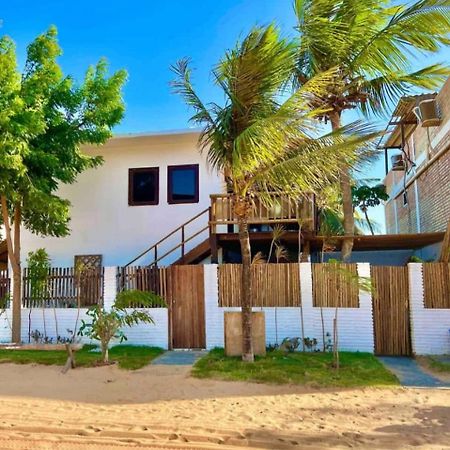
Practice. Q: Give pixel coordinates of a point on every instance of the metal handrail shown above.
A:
(154, 247)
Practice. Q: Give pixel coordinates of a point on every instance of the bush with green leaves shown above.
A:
(107, 325)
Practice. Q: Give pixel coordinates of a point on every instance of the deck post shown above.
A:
(213, 238)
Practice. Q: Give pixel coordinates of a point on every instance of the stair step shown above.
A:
(195, 255)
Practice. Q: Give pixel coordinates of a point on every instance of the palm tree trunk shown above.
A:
(244, 240)
(349, 221)
(14, 259)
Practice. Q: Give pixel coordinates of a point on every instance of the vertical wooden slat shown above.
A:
(391, 310)
(436, 285)
(273, 285)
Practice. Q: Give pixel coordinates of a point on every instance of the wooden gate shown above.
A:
(187, 307)
(391, 310)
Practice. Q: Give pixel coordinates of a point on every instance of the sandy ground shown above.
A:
(162, 407)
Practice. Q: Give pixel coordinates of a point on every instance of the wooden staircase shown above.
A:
(187, 256)
(197, 254)
(281, 209)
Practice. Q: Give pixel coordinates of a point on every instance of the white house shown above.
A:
(148, 185)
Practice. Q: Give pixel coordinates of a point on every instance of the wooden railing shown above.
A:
(184, 239)
(4, 286)
(280, 208)
(64, 289)
(147, 279)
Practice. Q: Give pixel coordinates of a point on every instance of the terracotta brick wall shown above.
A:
(433, 185)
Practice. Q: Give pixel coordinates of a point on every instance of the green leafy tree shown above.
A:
(371, 45)
(107, 325)
(264, 145)
(331, 217)
(44, 119)
(39, 266)
(365, 197)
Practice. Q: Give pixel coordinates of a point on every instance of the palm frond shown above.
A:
(383, 91)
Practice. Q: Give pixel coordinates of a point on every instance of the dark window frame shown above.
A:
(170, 169)
(405, 198)
(131, 173)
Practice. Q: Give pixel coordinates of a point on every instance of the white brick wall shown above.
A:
(142, 334)
(34, 320)
(154, 335)
(429, 327)
(355, 325)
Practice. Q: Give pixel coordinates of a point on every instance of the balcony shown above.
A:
(283, 209)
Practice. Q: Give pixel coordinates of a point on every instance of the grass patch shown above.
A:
(129, 357)
(435, 363)
(312, 369)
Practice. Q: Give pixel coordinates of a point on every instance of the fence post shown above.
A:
(366, 304)
(109, 287)
(416, 305)
(214, 328)
(311, 318)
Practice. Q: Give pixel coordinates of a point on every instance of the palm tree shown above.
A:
(261, 144)
(370, 44)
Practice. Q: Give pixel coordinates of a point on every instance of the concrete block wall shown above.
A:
(142, 334)
(35, 318)
(355, 325)
(430, 328)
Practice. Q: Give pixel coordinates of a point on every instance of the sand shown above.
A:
(163, 407)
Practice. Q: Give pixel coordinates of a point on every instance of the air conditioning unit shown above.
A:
(428, 113)
(398, 163)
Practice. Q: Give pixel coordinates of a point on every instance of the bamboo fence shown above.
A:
(391, 310)
(272, 285)
(64, 288)
(436, 285)
(335, 285)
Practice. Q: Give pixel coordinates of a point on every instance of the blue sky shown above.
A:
(145, 37)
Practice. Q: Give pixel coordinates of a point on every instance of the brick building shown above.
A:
(418, 181)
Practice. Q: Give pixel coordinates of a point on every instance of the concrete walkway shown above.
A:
(410, 373)
(179, 357)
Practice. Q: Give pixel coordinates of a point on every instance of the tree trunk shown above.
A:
(368, 221)
(14, 259)
(17, 289)
(347, 203)
(244, 240)
(105, 352)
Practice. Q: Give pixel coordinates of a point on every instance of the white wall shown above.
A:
(103, 223)
(355, 325)
(430, 328)
(142, 334)
(154, 335)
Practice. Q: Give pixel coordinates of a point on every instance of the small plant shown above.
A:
(38, 271)
(36, 336)
(107, 325)
(66, 339)
(272, 347)
(290, 344)
(310, 344)
(328, 342)
(40, 338)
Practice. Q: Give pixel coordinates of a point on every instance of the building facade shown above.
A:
(419, 195)
(147, 186)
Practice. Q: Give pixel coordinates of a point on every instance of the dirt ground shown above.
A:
(163, 407)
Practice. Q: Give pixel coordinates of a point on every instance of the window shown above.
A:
(405, 198)
(182, 184)
(143, 186)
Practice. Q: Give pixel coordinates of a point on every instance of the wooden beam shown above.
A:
(445, 250)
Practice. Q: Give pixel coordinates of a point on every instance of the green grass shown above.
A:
(127, 356)
(312, 369)
(436, 364)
